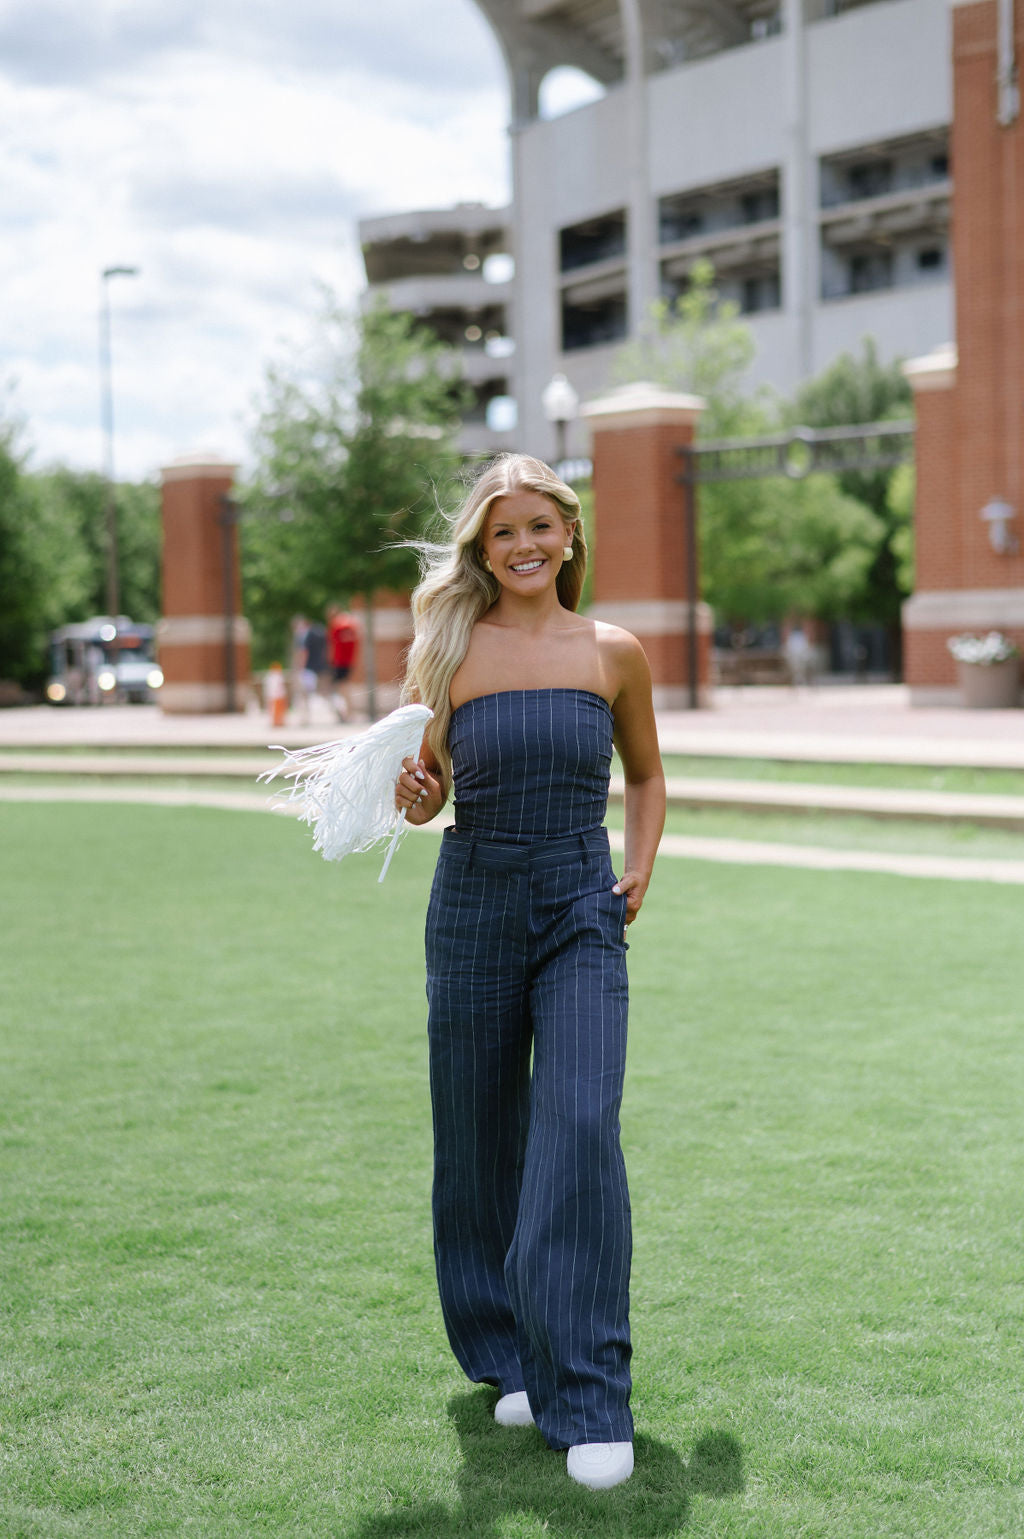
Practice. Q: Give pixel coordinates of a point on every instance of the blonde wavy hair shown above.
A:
(455, 590)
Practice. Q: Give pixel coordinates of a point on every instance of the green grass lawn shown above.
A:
(824, 829)
(216, 1288)
(910, 777)
(235, 784)
(66, 753)
(61, 768)
(843, 831)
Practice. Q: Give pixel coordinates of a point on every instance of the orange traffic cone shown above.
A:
(275, 695)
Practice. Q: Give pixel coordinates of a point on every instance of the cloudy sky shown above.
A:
(225, 148)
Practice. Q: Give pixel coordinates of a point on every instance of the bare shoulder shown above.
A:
(636, 732)
(623, 659)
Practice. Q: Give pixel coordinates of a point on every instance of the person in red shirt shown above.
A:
(343, 637)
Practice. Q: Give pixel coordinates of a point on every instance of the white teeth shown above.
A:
(528, 566)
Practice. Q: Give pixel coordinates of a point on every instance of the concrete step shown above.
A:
(990, 810)
(240, 766)
(730, 851)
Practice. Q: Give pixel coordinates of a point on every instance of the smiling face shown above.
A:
(523, 538)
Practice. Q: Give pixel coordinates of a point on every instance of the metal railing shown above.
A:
(800, 452)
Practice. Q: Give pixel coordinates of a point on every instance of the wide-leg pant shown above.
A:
(531, 1212)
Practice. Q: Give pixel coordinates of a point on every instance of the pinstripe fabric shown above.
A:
(531, 764)
(525, 953)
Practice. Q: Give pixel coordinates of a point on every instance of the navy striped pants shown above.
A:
(531, 1213)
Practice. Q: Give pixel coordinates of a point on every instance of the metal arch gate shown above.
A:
(800, 452)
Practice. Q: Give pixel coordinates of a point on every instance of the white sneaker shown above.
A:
(514, 1410)
(600, 1465)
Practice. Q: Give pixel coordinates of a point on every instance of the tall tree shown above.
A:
(772, 548)
(696, 343)
(21, 577)
(348, 456)
(767, 548)
(862, 389)
(70, 524)
(52, 554)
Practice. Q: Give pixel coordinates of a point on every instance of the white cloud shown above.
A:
(226, 150)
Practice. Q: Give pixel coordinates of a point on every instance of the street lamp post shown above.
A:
(107, 414)
(228, 518)
(561, 404)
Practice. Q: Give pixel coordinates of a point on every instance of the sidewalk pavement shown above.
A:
(742, 852)
(872, 723)
(986, 809)
(854, 724)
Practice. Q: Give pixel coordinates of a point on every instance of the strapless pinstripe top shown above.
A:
(531, 763)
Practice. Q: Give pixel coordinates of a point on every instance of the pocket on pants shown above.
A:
(470, 920)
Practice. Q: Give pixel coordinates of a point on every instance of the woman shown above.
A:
(526, 951)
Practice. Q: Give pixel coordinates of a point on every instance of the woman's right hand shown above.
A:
(417, 792)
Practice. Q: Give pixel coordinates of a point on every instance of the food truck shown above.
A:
(103, 660)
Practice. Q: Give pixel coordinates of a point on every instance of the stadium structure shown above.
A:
(800, 145)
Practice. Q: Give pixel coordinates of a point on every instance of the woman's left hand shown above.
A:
(634, 885)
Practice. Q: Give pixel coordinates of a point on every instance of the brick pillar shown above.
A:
(639, 557)
(193, 633)
(392, 626)
(970, 400)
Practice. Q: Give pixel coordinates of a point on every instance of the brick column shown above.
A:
(392, 626)
(193, 633)
(970, 399)
(639, 557)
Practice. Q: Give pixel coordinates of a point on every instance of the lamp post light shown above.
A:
(228, 518)
(107, 416)
(561, 404)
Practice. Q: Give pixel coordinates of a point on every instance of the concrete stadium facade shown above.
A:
(801, 145)
(450, 268)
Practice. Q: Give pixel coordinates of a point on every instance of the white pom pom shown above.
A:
(346, 790)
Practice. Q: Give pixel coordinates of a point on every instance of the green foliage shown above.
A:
(855, 389)
(53, 554)
(70, 521)
(861, 389)
(826, 547)
(771, 548)
(900, 505)
(698, 344)
(348, 455)
(21, 578)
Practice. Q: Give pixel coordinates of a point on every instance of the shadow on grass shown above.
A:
(510, 1474)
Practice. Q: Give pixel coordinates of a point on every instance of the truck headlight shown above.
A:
(154, 678)
(107, 680)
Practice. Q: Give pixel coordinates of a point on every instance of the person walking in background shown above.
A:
(799, 656)
(343, 637)
(526, 956)
(316, 659)
(275, 695)
(302, 679)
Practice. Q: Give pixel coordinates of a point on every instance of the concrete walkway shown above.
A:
(744, 852)
(851, 724)
(842, 724)
(988, 810)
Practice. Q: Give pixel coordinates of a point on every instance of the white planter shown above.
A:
(990, 686)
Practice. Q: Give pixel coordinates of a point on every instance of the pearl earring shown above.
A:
(486, 564)
(566, 552)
